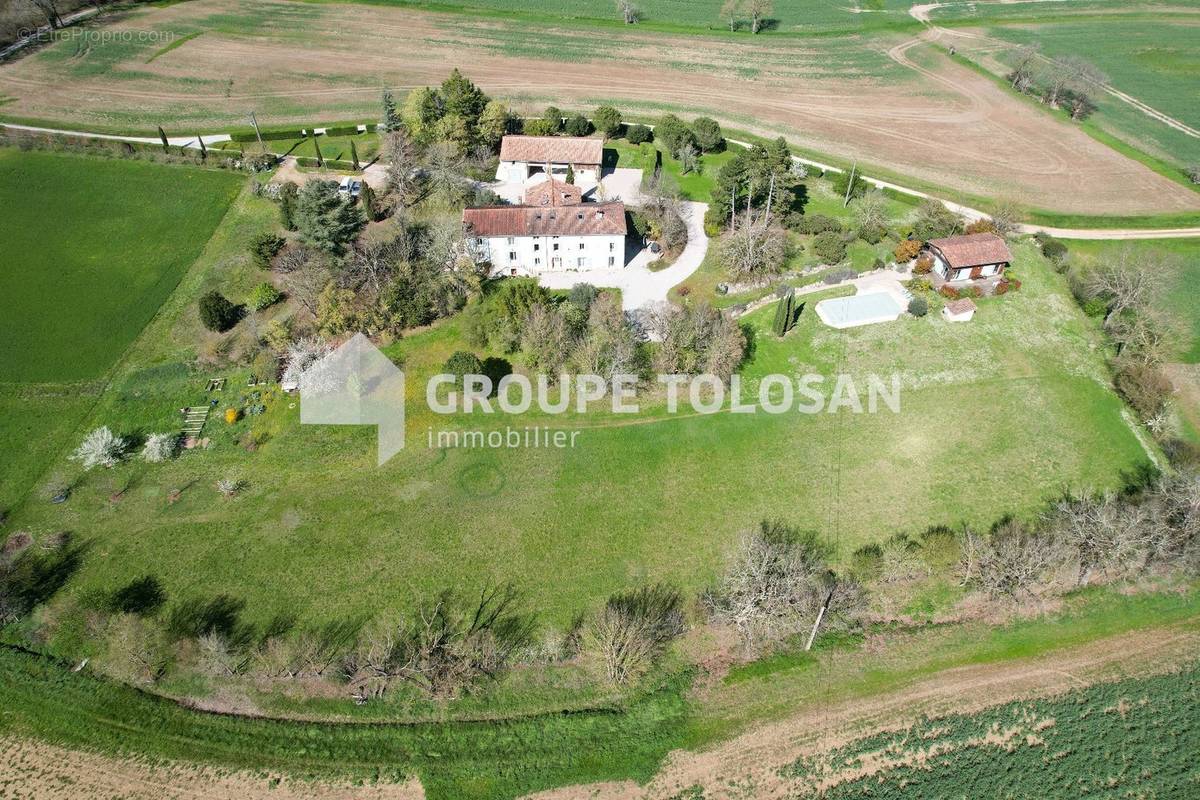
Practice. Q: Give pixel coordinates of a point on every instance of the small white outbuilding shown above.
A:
(960, 310)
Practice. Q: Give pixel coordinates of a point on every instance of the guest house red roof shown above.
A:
(552, 149)
(588, 219)
(960, 306)
(972, 250)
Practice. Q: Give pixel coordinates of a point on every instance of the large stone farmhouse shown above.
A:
(530, 239)
(970, 257)
(522, 157)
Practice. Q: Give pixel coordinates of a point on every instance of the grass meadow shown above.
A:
(321, 531)
(93, 248)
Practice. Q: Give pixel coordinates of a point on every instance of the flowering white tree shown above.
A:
(101, 448)
(303, 359)
(159, 447)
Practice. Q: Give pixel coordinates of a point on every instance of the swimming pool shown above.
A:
(860, 309)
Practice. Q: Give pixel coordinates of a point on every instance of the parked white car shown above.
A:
(350, 187)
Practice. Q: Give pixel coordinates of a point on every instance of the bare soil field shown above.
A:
(31, 770)
(892, 102)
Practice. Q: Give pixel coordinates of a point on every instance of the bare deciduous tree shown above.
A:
(754, 250)
(633, 628)
(629, 12)
(1012, 560)
(1024, 60)
(759, 11)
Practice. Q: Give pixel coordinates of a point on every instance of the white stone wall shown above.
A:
(531, 255)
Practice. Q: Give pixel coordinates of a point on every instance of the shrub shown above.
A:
(607, 120)
(1193, 173)
(981, 226)
(228, 487)
(232, 415)
(638, 134)
(867, 562)
(582, 295)
(838, 275)
(263, 296)
(578, 125)
(907, 250)
(949, 292)
(924, 266)
(970, 291)
(159, 447)
(1054, 250)
(264, 247)
(1093, 306)
(217, 313)
(818, 223)
(1001, 288)
(101, 448)
(872, 234)
(463, 363)
(829, 247)
(539, 127)
(633, 628)
(918, 306)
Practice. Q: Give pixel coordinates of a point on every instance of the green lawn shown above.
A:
(333, 148)
(93, 247)
(697, 185)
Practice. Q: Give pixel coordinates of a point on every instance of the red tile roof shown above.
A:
(587, 219)
(960, 306)
(553, 193)
(553, 149)
(972, 250)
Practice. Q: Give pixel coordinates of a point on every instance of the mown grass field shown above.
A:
(93, 248)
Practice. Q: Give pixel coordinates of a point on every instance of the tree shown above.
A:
(775, 584)
(577, 125)
(673, 133)
(697, 339)
(463, 98)
(101, 448)
(709, 137)
(1005, 217)
(288, 194)
(729, 12)
(463, 363)
(217, 313)
(402, 164)
(545, 341)
(325, 219)
(639, 134)
(1012, 560)
(611, 346)
(495, 121)
(689, 158)
(935, 221)
(553, 117)
(49, 9)
(1129, 283)
(759, 11)
(160, 447)
(540, 127)
(263, 296)
(870, 215)
(849, 184)
(918, 306)
(1024, 60)
(607, 120)
(445, 166)
(829, 247)
(785, 313)
(754, 249)
(633, 628)
(264, 247)
(390, 119)
(629, 12)
(1193, 173)
(422, 109)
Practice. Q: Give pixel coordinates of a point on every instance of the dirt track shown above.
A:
(922, 116)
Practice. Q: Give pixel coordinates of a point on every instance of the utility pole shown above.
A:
(817, 624)
(257, 132)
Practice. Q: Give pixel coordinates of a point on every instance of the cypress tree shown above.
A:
(163, 135)
(317, 147)
(354, 155)
(368, 202)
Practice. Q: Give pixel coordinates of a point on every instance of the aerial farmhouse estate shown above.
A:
(528, 240)
(970, 257)
(522, 157)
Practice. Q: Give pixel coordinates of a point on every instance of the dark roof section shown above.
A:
(553, 149)
(588, 219)
(972, 250)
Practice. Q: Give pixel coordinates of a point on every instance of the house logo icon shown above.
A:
(356, 384)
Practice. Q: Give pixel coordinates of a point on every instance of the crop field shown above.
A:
(1150, 58)
(895, 105)
(95, 247)
(1129, 738)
